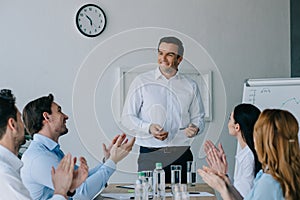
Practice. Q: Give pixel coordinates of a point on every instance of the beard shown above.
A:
(65, 131)
(169, 70)
(22, 141)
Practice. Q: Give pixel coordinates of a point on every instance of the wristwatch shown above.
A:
(70, 194)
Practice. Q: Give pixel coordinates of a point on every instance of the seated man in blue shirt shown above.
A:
(11, 137)
(44, 119)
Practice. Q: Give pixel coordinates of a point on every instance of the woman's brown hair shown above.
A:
(277, 146)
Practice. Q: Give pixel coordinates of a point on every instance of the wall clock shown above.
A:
(90, 20)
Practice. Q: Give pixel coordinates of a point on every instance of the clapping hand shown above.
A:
(216, 158)
(121, 148)
(106, 150)
(79, 175)
(214, 179)
(63, 175)
(220, 182)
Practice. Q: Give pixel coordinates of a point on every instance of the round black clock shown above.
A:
(90, 20)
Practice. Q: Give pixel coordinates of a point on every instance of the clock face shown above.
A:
(90, 20)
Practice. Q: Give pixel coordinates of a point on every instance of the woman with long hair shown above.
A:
(240, 125)
(277, 146)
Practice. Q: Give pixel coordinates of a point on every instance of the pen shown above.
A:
(182, 128)
(194, 192)
(125, 186)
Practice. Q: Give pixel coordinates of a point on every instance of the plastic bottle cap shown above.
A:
(158, 165)
(141, 174)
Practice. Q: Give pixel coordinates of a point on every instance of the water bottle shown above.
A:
(159, 182)
(141, 187)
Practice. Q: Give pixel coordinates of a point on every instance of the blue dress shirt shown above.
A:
(38, 159)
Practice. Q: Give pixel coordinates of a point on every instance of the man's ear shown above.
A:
(11, 123)
(179, 59)
(46, 116)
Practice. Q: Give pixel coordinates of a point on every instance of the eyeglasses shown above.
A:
(6, 94)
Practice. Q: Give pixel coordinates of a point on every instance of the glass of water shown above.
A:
(175, 174)
(180, 192)
(191, 173)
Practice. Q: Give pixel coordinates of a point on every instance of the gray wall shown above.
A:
(42, 52)
(295, 38)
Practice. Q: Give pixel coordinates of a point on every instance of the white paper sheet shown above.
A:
(168, 194)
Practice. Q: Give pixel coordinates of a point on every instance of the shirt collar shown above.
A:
(10, 158)
(159, 75)
(50, 144)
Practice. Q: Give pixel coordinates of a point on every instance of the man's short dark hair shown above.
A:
(33, 113)
(173, 40)
(8, 109)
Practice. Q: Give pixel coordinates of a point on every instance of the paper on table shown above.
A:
(118, 195)
(168, 194)
(193, 194)
(200, 194)
(125, 195)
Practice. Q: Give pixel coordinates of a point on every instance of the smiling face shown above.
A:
(58, 120)
(168, 58)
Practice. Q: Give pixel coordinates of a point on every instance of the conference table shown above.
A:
(206, 192)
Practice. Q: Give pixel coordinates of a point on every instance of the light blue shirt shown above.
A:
(172, 103)
(38, 159)
(265, 187)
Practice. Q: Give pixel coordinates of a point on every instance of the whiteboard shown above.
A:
(274, 93)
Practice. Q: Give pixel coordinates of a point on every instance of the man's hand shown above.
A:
(106, 150)
(121, 148)
(63, 175)
(216, 158)
(79, 175)
(191, 130)
(158, 132)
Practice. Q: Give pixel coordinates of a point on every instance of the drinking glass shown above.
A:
(175, 174)
(191, 172)
(180, 192)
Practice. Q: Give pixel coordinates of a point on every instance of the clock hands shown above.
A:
(91, 22)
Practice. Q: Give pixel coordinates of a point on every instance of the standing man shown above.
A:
(165, 110)
(45, 120)
(11, 137)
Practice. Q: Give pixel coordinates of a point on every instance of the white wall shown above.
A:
(42, 52)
